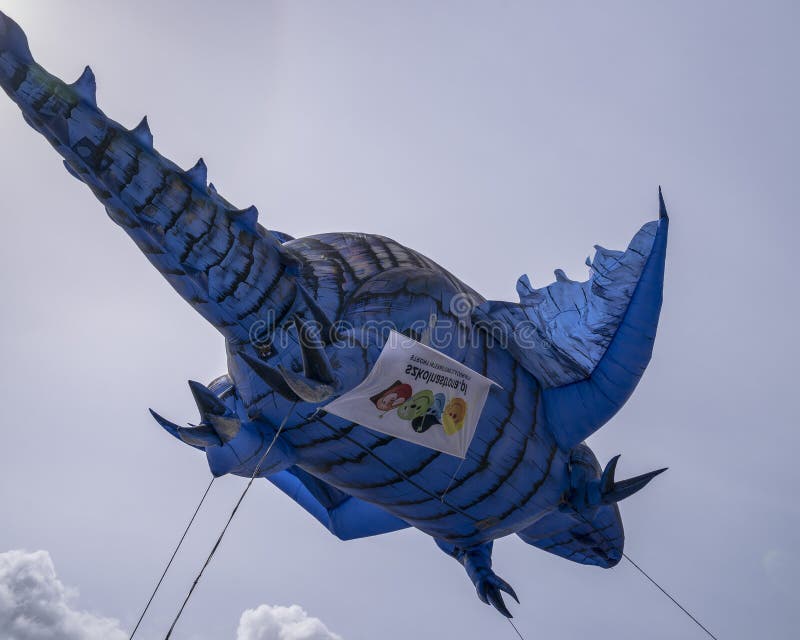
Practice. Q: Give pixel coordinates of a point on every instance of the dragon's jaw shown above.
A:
(217, 257)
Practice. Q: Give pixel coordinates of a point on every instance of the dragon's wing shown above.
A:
(587, 343)
(343, 515)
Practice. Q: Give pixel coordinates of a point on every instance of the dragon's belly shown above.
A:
(513, 472)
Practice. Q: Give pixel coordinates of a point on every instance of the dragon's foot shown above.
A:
(478, 563)
(489, 587)
(477, 560)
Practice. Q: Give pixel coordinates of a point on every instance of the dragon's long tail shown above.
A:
(217, 257)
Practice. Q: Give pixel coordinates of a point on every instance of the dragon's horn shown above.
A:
(612, 491)
(318, 381)
(272, 377)
(214, 413)
(607, 479)
(200, 437)
(308, 389)
(207, 401)
(316, 365)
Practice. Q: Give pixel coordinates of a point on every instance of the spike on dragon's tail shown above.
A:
(217, 257)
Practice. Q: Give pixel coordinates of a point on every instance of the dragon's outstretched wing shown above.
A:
(343, 515)
(588, 343)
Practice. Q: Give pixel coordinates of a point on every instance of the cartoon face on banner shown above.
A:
(454, 415)
(424, 410)
(392, 397)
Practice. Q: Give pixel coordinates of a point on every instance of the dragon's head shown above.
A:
(232, 445)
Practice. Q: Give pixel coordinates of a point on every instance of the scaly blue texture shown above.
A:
(304, 320)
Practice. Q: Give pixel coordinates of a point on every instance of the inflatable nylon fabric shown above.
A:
(293, 313)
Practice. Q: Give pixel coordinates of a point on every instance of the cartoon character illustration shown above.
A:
(454, 415)
(424, 410)
(392, 397)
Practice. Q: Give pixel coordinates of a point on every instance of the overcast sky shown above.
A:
(537, 131)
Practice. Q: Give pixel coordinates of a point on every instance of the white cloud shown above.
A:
(35, 604)
(282, 623)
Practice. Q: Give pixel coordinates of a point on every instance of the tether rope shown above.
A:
(316, 415)
(513, 626)
(227, 524)
(677, 604)
(172, 557)
(646, 575)
(255, 474)
(453, 477)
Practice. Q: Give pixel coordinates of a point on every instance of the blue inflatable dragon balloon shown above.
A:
(292, 312)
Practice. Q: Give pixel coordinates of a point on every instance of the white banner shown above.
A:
(417, 394)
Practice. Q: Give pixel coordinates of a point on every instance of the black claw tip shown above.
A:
(504, 586)
(493, 594)
(662, 208)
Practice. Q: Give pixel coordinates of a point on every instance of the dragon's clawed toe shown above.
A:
(489, 588)
(477, 561)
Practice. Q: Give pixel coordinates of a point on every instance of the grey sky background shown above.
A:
(499, 139)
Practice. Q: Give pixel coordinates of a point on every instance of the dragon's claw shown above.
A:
(504, 586)
(489, 588)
